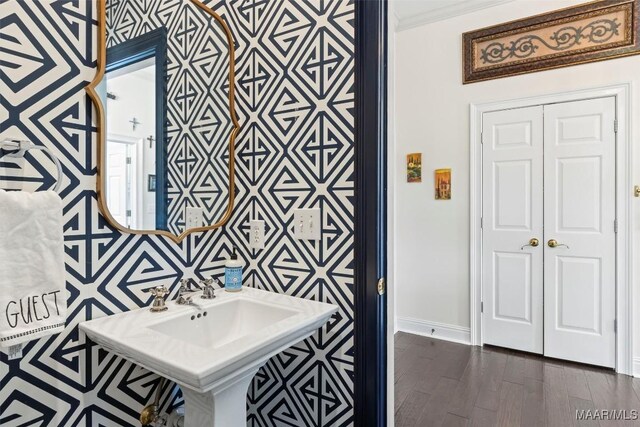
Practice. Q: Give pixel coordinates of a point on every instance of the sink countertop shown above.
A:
(198, 367)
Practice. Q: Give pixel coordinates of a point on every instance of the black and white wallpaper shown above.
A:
(295, 105)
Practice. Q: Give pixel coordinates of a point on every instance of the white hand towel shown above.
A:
(33, 298)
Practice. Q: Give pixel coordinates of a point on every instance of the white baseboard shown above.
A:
(636, 367)
(437, 330)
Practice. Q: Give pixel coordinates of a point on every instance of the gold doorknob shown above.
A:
(533, 242)
(553, 243)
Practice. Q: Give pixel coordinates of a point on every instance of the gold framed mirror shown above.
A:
(165, 140)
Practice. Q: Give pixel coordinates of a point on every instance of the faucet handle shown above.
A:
(158, 293)
(208, 292)
(207, 282)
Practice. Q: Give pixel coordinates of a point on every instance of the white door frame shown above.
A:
(624, 248)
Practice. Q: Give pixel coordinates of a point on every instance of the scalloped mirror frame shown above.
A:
(97, 102)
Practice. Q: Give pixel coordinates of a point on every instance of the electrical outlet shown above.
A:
(256, 234)
(307, 223)
(194, 217)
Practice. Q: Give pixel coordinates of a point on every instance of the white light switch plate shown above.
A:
(194, 217)
(256, 234)
(307, 223)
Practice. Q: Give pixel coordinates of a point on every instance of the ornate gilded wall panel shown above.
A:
(590, 32)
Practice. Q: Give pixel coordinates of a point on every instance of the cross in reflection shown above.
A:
(135, 123)
(151, 139)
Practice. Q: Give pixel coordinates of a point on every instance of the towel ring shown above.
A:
(22, 146)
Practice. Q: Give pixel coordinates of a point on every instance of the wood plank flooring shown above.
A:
(439, 383)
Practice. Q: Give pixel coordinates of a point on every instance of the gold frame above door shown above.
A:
(101, 134)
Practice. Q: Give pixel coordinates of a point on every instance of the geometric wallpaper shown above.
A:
(294, 66)
(197, 89)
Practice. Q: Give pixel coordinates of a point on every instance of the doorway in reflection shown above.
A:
(131, 171)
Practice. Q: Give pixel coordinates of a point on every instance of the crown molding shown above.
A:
(446, 12)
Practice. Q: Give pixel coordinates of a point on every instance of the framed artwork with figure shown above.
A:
(414, 167)
(443, 184)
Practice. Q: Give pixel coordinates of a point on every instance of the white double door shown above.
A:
(548, 230)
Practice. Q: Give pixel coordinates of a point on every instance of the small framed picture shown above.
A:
(152, 184)
(443, 184)
(414, 167)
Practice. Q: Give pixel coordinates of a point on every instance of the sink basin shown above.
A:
(230, 321)
(212, 349)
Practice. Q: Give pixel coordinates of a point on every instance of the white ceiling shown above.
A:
(412, 13)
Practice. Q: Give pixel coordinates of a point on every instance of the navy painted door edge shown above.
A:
(370, 311)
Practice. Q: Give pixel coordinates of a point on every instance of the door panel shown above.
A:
(117, 177)
(511, 135)
(578, 279)
(512, 190)
(579, 129)
(579, 210)
(512, 215)
(513, 287)
(579, 199)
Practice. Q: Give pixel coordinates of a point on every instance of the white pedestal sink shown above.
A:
(212, 350)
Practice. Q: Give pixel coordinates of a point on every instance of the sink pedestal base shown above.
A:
(224, 406)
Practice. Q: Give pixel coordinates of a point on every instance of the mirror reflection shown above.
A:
(131, 148)
(168, 120)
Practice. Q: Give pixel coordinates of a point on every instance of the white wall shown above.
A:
(432, 117)
(135, 98)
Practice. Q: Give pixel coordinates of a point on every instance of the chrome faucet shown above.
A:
(208, 291)
(158, 298)
(185, 293)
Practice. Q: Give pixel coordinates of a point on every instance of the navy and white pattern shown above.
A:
(295, 102)
(198, 120)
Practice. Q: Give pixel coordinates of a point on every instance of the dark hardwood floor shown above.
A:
(439, 383)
